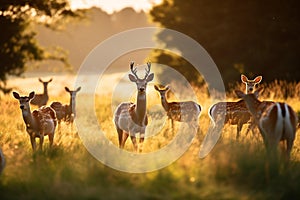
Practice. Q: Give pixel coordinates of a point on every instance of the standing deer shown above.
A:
(276, 121)
(2, 161)
(66, 113)
(130, 118)
(235, 113)
(39, 123)
(187, 111)
(41, 99)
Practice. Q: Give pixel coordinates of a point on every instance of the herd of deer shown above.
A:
(276, 121)
(43, 121)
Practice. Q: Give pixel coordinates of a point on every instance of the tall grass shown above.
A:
(233, 170)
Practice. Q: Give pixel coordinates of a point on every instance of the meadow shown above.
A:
(232, 170)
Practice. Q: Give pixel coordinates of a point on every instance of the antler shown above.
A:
(133, 69)
(148, 69)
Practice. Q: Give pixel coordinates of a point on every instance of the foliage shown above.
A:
(18, 45)
(251, 37)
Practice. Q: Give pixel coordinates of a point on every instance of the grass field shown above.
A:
(233, 170)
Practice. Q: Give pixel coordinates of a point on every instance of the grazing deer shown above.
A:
(235, 113)
(66, 113)
(2, 161)
(41, 99)
(130, 118)
(39, 123)
(276, 121)
(187, 111)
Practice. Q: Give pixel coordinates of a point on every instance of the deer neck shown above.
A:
(141, 108)
(253, 106)
(164, 102)
(45, 90)
(72, 105)
(28, 119)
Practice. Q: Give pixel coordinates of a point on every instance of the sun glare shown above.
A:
(111, 6)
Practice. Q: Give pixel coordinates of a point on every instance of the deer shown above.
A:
(41, 99)
(277, 121)
(186, 111)
(66, 113)
(235, 113)
(39, 123)
(131, 118)
(2, 161)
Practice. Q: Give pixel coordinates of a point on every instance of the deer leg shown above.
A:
(251, 127)
(172, 126)
(51, 136)
(133, 139)
(238, 130)
(41, 141)
(289, 145)
(142, 138)
(124, 138)
(120, 134)
(58, 127)
(33, 144)
(248, 128)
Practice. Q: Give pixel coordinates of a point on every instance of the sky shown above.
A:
(111, 6)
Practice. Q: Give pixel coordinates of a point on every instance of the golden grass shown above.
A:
(233, 170)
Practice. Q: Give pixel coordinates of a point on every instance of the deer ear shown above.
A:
(258, 79)
(67, 89)
(132, 78)
(16, 95)
(244, 78)
(78, 89)
(167, 87)
(40, 80)
(31, 95)
(156, 87)
(239, 93)
(50, 80)
(150, 77)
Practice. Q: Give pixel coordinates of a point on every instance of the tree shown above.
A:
(18, 45)
(253, 37)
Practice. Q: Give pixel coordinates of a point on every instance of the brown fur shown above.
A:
(39, 123)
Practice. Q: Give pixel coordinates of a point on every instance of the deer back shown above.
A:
(46, 117)
(278, 117)
(183, 111)
(234, 112)
(40, 100)
(59, 109)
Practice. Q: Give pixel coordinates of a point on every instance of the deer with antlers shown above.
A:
(39, 123)
(41, 99)
(130, 118)
(66, 113)
(186, 111)
(235, 113)
(276, 121)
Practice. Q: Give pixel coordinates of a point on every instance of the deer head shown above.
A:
(162, 90)
(141, 83)
(24, 100)
(250, 84)
(72, 92)
(45, 83)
